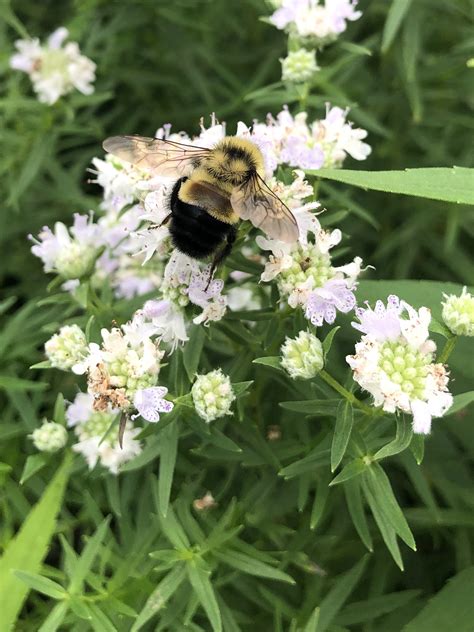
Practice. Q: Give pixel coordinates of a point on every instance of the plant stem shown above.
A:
(345, 393)
(447, 349)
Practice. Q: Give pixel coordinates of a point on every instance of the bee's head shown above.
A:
(234, 160)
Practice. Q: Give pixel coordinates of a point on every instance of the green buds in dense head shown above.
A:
(50, 437)
(212, 395)
(303, 356)
(67, 347)
(458, 313)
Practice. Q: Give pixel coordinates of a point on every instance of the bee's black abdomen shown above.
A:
(193, 231)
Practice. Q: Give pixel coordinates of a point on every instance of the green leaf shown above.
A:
(240, 388)
(173, 531)
(158, 598)
(55, 617)
(396, 14)
(316, 458)
(59, 413)
(192, 350)
(379, 486)
(402, 439)
(335, 599)
(312, 623)
(352, 491)
(320, 500)
(455, 184)
(41, 584)
(87, 558)
(99, 620)
(28, 548)
(169, 447)
(342, 432)
(460, 402)
(327, 342)
(313, 406)
(272, 361)
(46, 364)
(452, 608)
(252, 566)
(10, 383)
(351, 470)
(417, 447)
(374, 607)
(202, 586)
(33, 464)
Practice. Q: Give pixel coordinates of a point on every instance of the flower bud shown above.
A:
(212, 395)
(303, 356)
(67, 347)
(50, 437)
(76, 260)
(458, 313)
(299, 66)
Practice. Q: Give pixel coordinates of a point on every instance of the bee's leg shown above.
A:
(222, 253)
(165, 221)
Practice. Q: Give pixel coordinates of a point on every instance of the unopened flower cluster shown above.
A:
(55, 68)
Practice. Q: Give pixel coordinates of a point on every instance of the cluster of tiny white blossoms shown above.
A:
(123, 371)
(54, 69)
(70, 253)
(305, 275)
(394, 362)
(313, 21)
(97, 438)
(291, 140)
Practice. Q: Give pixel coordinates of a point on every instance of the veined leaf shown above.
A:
(352, 469)
(169, 447)
(342, 432)
(355, 505)
(335, 599)
(460, 402)
(158, 598)
(252, 566)
(87, 558)
(202, 586)
(28, 548)
(42, 584)
(402, 439)
(452, 608)
(454, 184)
(396, 14)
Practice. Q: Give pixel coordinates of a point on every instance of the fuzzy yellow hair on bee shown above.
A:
(215, 188)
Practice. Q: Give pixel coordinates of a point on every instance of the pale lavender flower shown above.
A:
(150, 402)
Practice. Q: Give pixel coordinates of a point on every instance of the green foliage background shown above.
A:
(174, 62)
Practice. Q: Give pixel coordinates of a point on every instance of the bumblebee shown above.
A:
(215, 189)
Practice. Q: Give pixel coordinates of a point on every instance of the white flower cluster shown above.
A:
(394, 362)
(291, 140)
(304, 272)
(54, 69)
(123, 366)
(314, 21)
(97, 440)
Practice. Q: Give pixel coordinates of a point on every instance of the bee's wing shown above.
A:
(256, 201)
(162, 157)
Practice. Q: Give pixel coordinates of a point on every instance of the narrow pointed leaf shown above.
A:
(342, 432)
(169, 447)
(199, 579)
